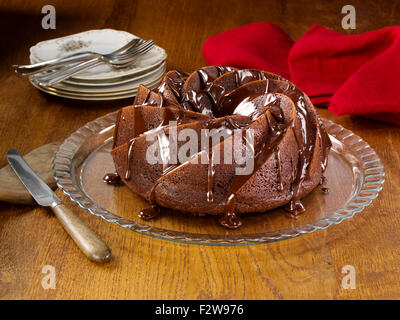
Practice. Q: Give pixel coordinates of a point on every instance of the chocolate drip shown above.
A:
(230, 219)
(325, 145)
(149, 213)
(154, 210)
(230, 124)
(210, 175)
(278, 168)
(322, 182)
(305, 147)
(325, 190)
(276, 131)
(112, 178)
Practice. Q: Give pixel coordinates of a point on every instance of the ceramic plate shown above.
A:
(115, 81)
(95, 96)
(133, 84)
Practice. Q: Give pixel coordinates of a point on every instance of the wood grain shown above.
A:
(89, 242)
(40, 160)
(146, 268)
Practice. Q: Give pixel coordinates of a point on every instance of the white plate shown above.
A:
(129, 85)
(94, 96)
(120, 82)
(101, 41)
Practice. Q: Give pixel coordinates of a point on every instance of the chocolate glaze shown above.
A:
(149, 213)
(325, 190)
(230, 219)
(179, 116)
(199, 100)
(112, 178)
(278, 167)
(262, 153)
(215, 100)
(227, 123)
(210, 175)
(175, 81)
(244, 76)
(167, 116)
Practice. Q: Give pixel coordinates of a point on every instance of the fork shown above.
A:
(118, 60)
(31, 69)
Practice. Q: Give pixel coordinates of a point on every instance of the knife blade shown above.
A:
(40, 191)
(85, 238)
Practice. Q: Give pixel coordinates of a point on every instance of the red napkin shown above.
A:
(353, 74)
(261, 45)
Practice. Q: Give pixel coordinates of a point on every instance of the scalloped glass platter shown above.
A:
(355, 176)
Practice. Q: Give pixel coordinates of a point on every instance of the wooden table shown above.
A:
(146, 268)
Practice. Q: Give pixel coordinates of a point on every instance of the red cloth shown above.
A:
(353, 74)
(241, 47)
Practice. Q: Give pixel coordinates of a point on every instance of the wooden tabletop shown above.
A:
(145, 268)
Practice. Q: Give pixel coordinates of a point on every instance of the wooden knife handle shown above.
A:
(88, 241)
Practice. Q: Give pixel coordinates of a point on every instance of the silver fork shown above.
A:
(31, 69)
(118, 60)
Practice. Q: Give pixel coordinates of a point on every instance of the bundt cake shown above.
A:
(289, 145)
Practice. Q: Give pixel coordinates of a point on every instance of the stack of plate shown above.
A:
(102, 82)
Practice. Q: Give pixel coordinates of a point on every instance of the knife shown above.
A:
(88, 241)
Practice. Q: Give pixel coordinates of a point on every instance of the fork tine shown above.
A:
(112, 59)
(131, 44)
(135, 50)
(145, 49)
(139, 50)
(128, 59)
(131, 58)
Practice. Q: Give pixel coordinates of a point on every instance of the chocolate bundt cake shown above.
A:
(279, 131)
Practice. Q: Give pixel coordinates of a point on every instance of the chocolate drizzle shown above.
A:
(149, 213)
(325, 190)
(276, 130)
(112, 178)
(210, 175)
(237, 98)
(278, 168)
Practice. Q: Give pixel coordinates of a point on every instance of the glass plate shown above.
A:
(354, 175)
